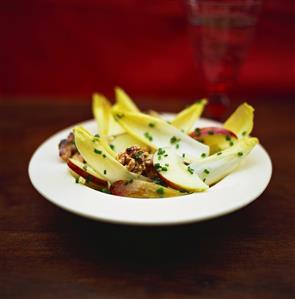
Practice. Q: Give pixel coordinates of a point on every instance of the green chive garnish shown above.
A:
(160, 191)
(190, 170)
(97, 151)
(197, 131)
(148, 136)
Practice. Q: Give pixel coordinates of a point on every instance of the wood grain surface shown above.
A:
(46, 252)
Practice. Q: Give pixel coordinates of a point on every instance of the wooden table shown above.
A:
(46, 252)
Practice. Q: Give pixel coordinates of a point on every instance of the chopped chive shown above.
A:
(219, 153)
(210, 132)
(166, 164)
(148, 136)
(190, 170)
(177, 145)
(197, 131)
(120, 115)
(157, 166)
(231, 143)
(77, 179)
(227, 138)
(105, 190)
(173, 140)
(161, 151)
(160, 191)
(104, 156)
(157, 180)
(164, 168)
(240, 154)
(112, 146)
(166, 156)
(183, 155)
(152, 125)
(206, 171)
(244, 133)
(204, 179)
(138, 155)
(97, 135)
(105, 172)
(203, 155)
(97, 151)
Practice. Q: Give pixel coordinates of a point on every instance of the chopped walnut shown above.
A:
(138, 160)
(68, 149)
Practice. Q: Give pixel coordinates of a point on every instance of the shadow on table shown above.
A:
(99, 242)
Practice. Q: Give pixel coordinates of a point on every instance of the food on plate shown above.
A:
(82, 170)
(216, 138)
(142, 189)
(67, 149)
(144, 155)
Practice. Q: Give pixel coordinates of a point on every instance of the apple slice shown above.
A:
(95, 153)
(217, 138)
(157, 133)
(172, 170)
(241, 121)
(141, 189)
(186, 118)
(214, 168)
(85, 171)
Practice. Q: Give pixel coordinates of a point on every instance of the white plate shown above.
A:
(51, 178)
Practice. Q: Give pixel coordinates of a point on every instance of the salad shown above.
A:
(142, 155)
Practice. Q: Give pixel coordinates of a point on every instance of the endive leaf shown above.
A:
(186, 119)
(94, 153)
(241, 121)
(120, 142)
(124, 102)
(217, 166)
(101, 109)
(155, 133)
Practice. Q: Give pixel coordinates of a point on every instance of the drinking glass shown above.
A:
(221, 32)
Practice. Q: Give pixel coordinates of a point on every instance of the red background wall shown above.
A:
(74, 47)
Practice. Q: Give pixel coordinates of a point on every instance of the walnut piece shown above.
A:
(138, 160)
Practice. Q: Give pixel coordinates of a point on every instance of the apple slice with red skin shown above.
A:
(84, 171)
(217, 138)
